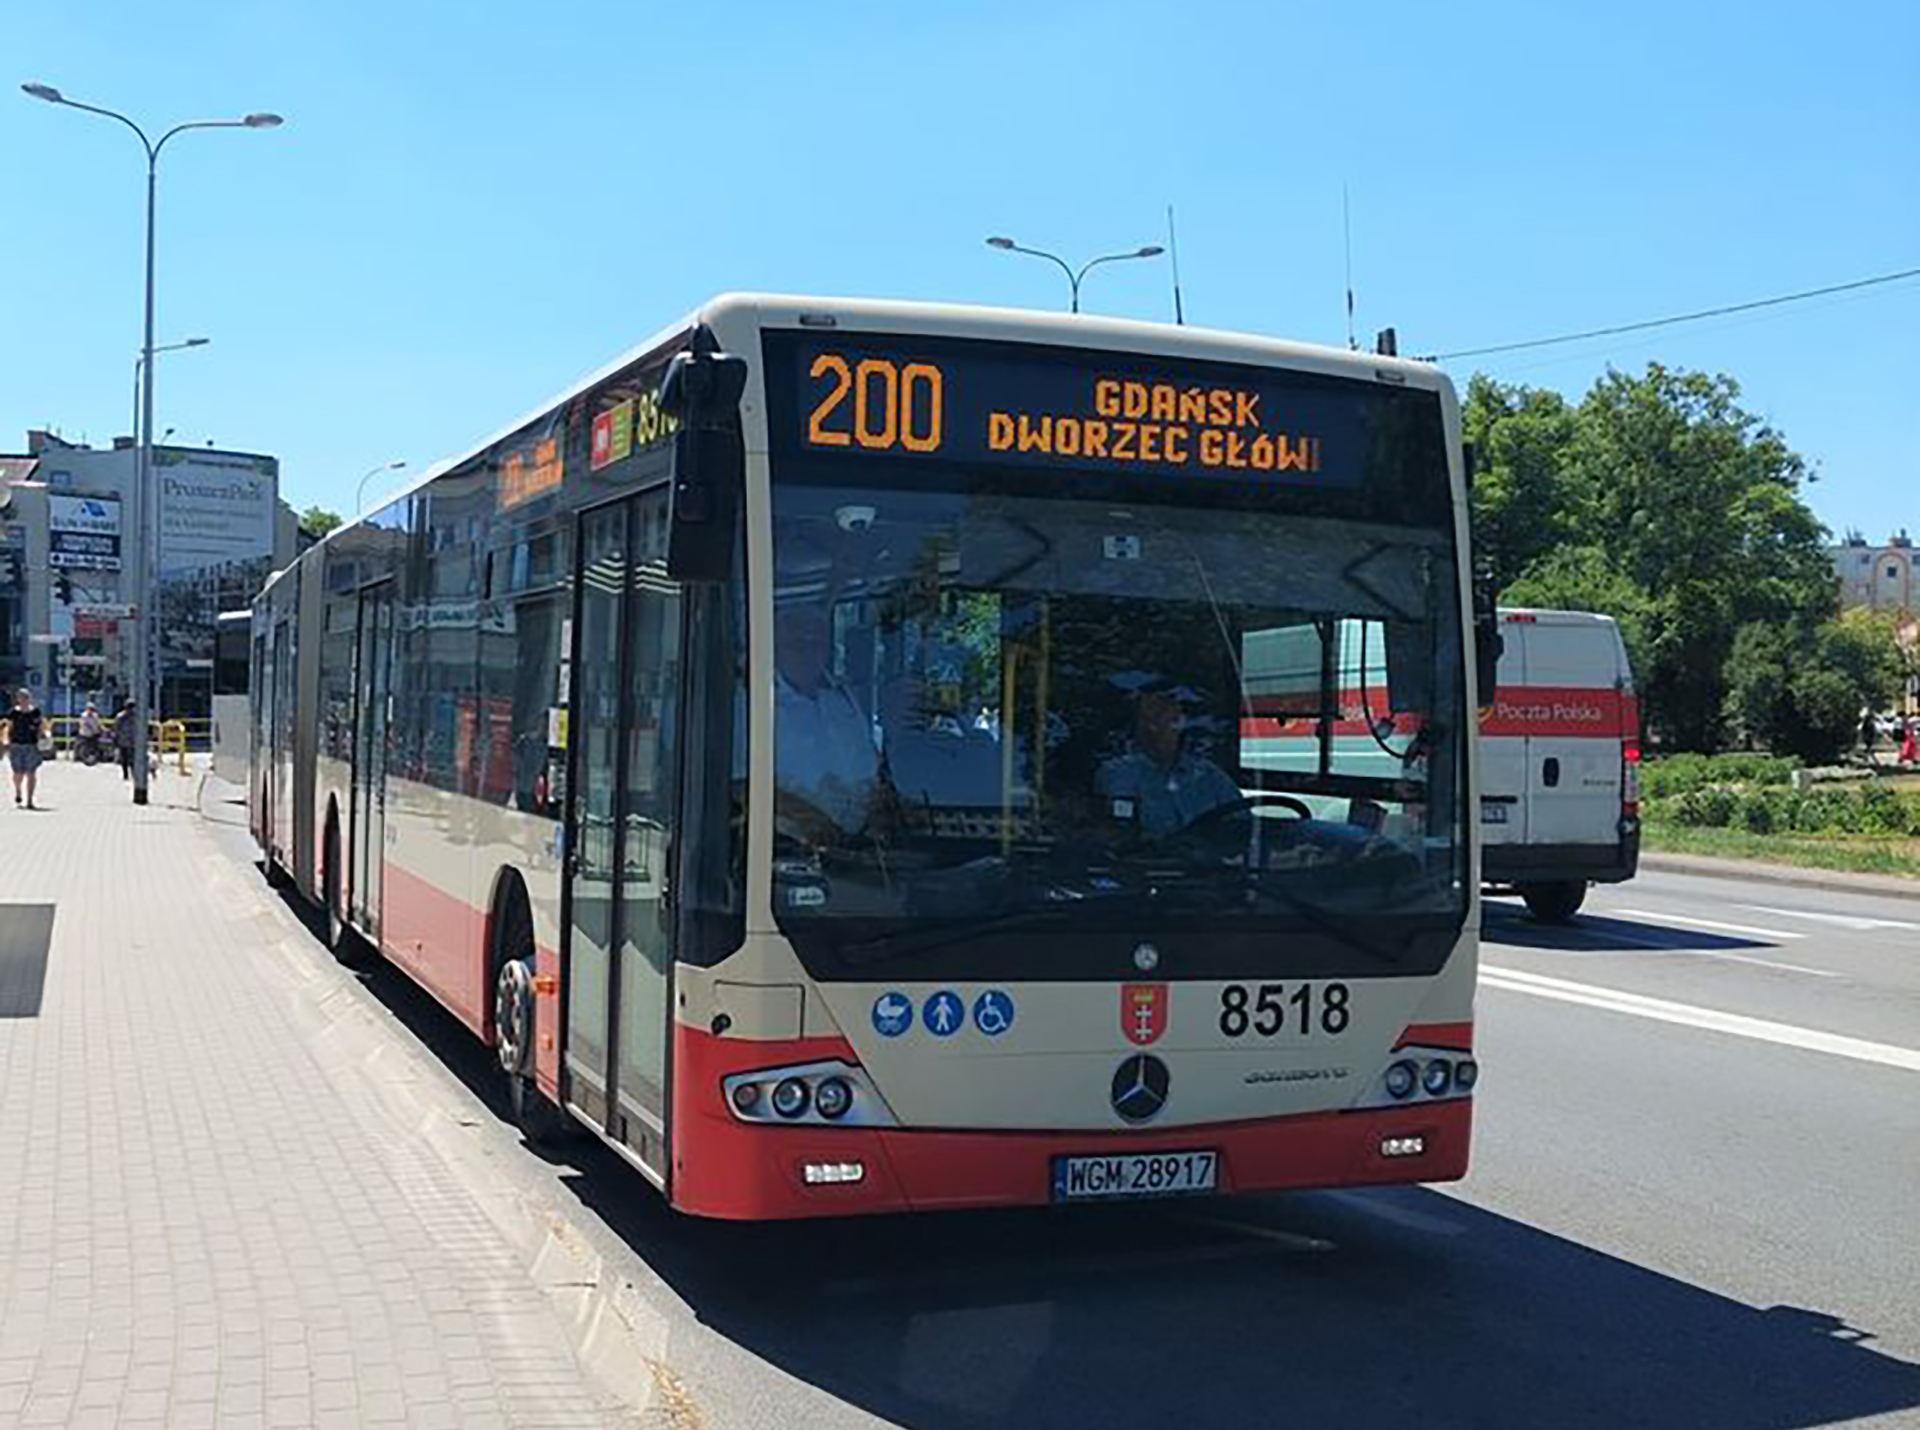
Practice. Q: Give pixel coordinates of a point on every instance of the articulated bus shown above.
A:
(859, 757)
(231, 705)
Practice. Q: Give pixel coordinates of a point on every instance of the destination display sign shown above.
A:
(1106, 411)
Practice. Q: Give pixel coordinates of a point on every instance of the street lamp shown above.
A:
(360, 492)
(144, 576)
(140, 363)
(1151, 250)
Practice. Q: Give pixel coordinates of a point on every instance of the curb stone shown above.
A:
(1756, 871)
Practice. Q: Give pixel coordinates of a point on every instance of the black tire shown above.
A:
(1557, 902)
(348, 947)
(541, 1123)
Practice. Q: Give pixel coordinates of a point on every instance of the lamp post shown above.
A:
(144, 583)
(360, 492)
(139, 365)
(1074, 278)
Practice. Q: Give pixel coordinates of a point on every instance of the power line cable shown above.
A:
(1679, 317)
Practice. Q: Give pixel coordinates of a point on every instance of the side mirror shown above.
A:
(701, 392)
(1487, 640)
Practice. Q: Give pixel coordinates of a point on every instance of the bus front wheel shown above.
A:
(1556, 902)
(539, 1121)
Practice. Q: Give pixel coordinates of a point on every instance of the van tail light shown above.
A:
(1630, 779)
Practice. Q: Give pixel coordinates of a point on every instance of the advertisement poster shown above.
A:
(83, 533)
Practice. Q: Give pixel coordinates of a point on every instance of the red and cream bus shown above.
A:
(824, 754)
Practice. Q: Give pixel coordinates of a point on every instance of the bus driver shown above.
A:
(827, 765)
(1159, 785)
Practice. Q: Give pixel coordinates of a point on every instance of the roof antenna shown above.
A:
(1346, 223)
(1173, 251)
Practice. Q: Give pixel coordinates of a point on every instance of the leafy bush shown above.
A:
(1684, 774)
(1874, 809)
(1755, 812)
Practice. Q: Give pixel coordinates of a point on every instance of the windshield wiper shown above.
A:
(892, 946)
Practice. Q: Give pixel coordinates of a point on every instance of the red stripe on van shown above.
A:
(1561, 710)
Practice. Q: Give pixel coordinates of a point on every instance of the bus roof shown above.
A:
(960, 320)
(1536, 615)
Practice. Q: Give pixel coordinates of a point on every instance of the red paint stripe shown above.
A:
(1457, 1036)
(442, 942)
(727, 1168)
(1570, 710)
(437, 937)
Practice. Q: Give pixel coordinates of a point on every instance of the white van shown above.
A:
(1560, 761)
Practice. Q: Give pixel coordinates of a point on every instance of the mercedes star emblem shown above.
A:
(1140, 1088)
(1146, 958)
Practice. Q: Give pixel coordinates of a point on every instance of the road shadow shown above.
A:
(1602, 933)
(1392, 1307)
(1389, 1307)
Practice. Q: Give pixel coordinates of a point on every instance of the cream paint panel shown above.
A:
(504, 838)
(459, 844)
(1054, 1068)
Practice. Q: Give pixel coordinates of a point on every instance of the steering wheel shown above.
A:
(1208, 825)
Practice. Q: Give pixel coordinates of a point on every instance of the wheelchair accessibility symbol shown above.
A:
(993, 1012)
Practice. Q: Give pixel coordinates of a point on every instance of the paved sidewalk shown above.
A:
(208, 1215)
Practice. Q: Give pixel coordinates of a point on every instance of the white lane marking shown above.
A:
(1613, 1000)
(1745, 958)
(1748, 929)
(1846, 921)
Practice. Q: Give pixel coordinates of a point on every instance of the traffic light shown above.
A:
(63, 588)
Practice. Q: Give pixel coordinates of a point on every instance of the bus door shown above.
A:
(623, 726)
(372, 665)
(1505, 811)
(280, 770)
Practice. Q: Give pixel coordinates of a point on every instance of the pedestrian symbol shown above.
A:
(944, 1014)
(993, 1012)
(892, 1014)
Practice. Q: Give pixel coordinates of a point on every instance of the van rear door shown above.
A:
(1576, 678)
(1503, 746)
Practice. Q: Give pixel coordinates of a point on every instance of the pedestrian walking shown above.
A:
(90, 746)
(123, 739)
(1909, 751)
(25, 725)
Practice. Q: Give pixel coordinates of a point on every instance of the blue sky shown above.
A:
(472, 205)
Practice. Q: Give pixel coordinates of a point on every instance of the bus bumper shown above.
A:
(734, 1170)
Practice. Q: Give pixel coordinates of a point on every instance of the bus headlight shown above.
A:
(1435, 1079)
(825, 1093)
(1400, 1079)
(833, 1097)
(790, 1097)
(1466, 1073)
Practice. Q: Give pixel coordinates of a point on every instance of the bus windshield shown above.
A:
(1002, 720)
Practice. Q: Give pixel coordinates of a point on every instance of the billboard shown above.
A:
(216, 508)
(83, 533)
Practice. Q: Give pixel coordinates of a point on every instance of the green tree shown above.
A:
(317, 521)
(1696, 505)
(1801, 689)
(1521, 508)
(1583, 578)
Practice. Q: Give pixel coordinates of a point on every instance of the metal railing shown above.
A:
(177, 736)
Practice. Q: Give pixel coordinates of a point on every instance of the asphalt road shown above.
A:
(1696, 1205)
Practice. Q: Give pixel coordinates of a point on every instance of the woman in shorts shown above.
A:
(24, 723)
